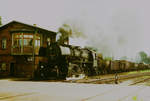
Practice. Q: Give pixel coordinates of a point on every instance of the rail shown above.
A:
(112, 78)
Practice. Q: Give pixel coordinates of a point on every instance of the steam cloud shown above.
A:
(121, 35)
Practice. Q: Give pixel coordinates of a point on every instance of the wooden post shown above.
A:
(22, 40)
(33, 52)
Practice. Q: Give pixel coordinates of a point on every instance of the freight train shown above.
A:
(61, 61)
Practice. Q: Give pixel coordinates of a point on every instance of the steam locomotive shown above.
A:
(61, 61)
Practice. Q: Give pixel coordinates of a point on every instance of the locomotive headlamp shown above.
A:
(42, 66)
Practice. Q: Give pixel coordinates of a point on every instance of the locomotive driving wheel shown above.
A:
(62, 71)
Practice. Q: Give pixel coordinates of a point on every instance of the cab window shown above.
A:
(4, 43)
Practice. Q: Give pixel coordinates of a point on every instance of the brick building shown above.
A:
(19, 48)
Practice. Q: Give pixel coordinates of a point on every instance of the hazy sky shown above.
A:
(116, 27)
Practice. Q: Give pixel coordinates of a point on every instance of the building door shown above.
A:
(12, 69)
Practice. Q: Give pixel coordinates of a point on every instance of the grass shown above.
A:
(140, 71)
(123, 73)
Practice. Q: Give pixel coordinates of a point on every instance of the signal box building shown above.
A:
(19, 48)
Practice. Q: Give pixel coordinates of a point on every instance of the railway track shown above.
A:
(130, 95)
(140, 81)
(110, 80)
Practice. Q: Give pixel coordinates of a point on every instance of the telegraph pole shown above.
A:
(33, 52)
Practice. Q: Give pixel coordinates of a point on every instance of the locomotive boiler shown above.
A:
(61, 61)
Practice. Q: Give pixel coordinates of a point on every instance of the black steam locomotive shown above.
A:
(61, 61)
(58, 61)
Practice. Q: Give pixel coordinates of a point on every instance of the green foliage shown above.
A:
(144, 58)
(65, 31)
(143, 55)
(108, 58)
(70, 30)
(134, 98)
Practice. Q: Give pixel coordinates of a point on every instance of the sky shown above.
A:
(116, 28)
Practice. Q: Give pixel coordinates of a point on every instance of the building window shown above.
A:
(20, 39)
(4, 43)
(3, 67)
(24, 42)
(48, 41)
(37, 41)
(27, 40)
(17, 42)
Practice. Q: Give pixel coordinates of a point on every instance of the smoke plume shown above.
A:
(120, 36)
(116, 28)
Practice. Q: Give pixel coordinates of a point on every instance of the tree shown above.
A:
(70, 29)
(64, 32)
(144, 57)
(108, 58)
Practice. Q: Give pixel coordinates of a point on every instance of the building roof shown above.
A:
(32, 26)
